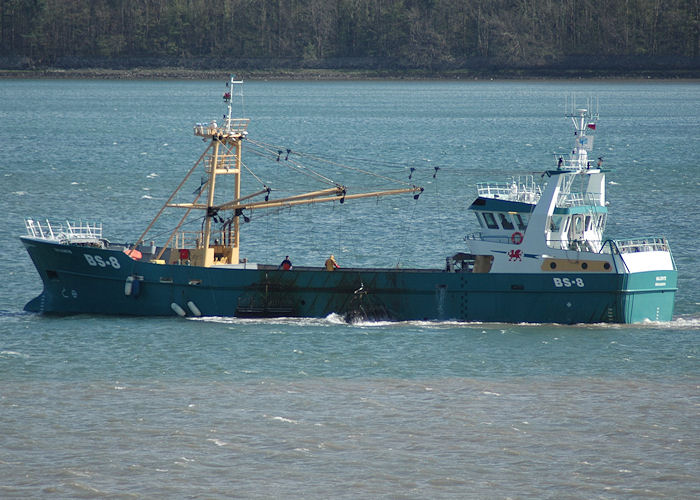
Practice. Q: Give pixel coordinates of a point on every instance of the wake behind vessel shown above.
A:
(540, 255)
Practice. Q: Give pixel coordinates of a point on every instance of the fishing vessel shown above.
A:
(540, 255)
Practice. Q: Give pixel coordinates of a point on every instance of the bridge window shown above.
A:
(505, 221)
(521, 221)
(490, 220)
(555, 222)
(601, 222)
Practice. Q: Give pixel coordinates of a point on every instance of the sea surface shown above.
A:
(118, 407)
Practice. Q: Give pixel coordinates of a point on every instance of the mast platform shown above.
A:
(233, 128)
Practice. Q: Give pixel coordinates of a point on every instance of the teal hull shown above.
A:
(83, 279)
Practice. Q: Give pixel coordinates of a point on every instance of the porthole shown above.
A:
(584, 265)
(606, 266)
(552, 265)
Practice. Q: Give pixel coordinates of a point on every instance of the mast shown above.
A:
(236, 222)
(225, 159)
(211, 185)
(583, 120)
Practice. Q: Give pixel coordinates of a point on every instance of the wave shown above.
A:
(331, 319)
(282, 419)
(679, 323)
(14, 354)
(217, 442)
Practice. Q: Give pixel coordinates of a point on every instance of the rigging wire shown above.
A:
(262, 183)
(353, 158)
(437, 201)
(340, 230)
(276, 151)
(355, 169)
(302, 169)
(402, 247)
(169, 231)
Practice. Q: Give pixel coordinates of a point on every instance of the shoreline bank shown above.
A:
(174, 73)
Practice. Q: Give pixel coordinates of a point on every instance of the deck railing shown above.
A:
(70, 232)
(520, 188)
(634, 245)
(233, 126)
(479, 236)
(567, 200)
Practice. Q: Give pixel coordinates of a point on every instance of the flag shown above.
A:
(591, 126)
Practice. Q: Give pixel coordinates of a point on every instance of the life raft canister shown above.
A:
(133, 253)
(517, 238)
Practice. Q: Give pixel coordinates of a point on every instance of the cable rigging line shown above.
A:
(370, 160)
(347, 167)
(302, 169)
(405, 236)
(279, 150)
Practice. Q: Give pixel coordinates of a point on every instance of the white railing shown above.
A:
(494, 238)
(573, 164)
(233, 126)
(641, 245)
(522, 188)
(80, 232)
(577, 200)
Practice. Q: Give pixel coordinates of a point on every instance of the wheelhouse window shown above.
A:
(601, 222)
(505, 221)
(490, 220)
(555, 222)
(521, 221)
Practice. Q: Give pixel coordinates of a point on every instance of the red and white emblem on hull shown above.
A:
(515, 255)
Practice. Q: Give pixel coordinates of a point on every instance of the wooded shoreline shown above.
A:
(174, 73)
(350, 39)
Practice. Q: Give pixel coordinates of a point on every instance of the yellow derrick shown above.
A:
(225, 149)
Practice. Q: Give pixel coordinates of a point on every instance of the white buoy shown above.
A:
(128, 285)
(178, 310)
(195, 310)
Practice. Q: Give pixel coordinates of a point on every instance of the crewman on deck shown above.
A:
(286, 264)
(331, 264)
